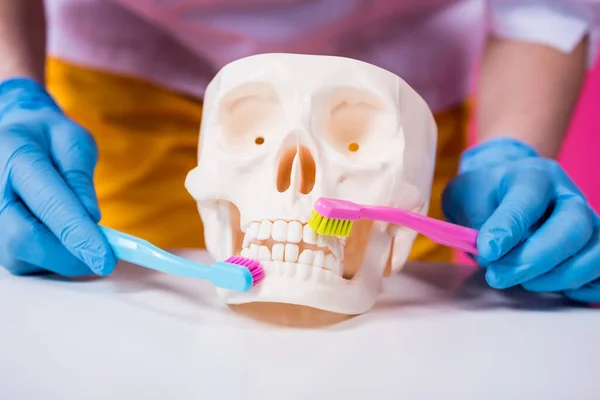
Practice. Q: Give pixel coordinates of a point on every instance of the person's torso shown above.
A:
(432, 44)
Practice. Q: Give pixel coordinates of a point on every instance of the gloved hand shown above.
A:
(536, 228)
(48, 207)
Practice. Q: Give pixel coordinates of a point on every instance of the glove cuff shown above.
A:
(24, 93)
(494, 152)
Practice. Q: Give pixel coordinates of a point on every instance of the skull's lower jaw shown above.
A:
(304, 285)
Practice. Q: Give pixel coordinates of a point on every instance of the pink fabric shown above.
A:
(263, 26)
(432, 44)
(180, 44)
(581, 154)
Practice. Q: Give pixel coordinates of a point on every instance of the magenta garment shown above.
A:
(180, 44)
(432, 46)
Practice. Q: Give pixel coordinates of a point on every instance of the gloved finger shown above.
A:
(524, 199)
(465, 203)
(589, 293)
(45, 193)
(576, 271)
(567, 230)
(29, 247)
(75, 155)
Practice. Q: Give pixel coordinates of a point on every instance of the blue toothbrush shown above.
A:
(236, 273)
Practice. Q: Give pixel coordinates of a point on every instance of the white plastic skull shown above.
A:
(281, 130)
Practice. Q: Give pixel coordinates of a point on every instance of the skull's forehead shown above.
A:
(297, 74)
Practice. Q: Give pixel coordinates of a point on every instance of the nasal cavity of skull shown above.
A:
(305, 171)
(353, 118)
(249, 114)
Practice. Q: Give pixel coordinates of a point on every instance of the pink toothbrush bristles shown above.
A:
(254, 266)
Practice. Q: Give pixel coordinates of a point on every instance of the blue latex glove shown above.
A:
(536, 228)
(48, 207)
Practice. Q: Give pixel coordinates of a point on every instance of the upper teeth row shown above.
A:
(283, 231)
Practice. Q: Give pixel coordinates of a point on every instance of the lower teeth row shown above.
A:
(289, 252)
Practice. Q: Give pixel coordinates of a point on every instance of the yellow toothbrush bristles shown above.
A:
(329, 226)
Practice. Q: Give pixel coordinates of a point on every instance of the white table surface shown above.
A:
(144, 335)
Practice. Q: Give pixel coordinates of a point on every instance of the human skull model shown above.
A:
(281, 130)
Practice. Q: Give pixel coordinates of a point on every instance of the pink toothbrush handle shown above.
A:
(441, 232)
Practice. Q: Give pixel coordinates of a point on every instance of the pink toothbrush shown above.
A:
(335, 217)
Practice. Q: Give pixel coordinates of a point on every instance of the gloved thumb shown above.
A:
(75, 155)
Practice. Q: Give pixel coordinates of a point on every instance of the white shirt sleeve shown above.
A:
(557, 23)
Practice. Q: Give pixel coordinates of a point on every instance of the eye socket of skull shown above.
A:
(358, 125)
(250, 115)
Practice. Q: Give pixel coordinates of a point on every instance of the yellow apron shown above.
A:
(147, 138)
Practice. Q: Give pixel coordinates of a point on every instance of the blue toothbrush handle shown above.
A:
(140, 252)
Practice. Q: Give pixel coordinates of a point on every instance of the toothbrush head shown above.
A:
(329, 226)
(253, 266)
(334, 217)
